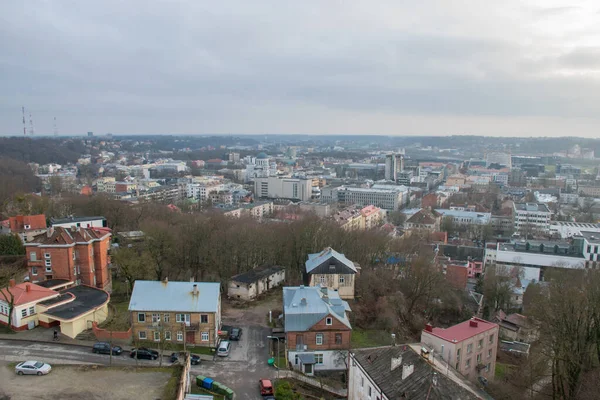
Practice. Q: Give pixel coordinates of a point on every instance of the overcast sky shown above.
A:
(503, 68)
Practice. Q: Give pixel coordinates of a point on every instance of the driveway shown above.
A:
(245, 365)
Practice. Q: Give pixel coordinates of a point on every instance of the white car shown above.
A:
(33, 368)
(223, 350)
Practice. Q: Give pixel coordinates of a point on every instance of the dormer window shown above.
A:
(27, 226)
(328, 321)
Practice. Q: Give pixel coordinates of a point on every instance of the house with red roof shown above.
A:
(469, 347)
(27, 226)
(24, 297)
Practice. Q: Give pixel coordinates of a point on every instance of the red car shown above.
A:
(266, 387)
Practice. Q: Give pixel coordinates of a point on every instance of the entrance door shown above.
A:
(308, 369)
(189, 337)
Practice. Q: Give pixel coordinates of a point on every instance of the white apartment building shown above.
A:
(284, 188)
(531, 217)
(387, 199)
(202, 191)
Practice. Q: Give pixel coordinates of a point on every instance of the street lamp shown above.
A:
(276, 338)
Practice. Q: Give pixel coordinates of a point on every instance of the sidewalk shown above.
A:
(41, 334)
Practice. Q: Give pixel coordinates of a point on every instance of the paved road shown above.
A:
(246, 364)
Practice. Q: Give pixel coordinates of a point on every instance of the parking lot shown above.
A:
(84, 382)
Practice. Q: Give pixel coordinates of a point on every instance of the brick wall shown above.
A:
(101, 262)
(329, 332)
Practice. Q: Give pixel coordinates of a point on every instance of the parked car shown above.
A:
(144, 352)
(194, 359)
(104, 348)
(236, 334)
(33, 368)
(266, 387)
(223, 350)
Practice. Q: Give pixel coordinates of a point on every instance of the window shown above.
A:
(204, 318)
(179, 336)
(24, 313)
(3, 309)
(47, 256)
(27, 226)
(141, 317)
(491, 338)
(204, 337)
(167, 335)
(370, 391)
(338, 338)
(319, 359)
(33, 256)
(33, 270)
(319, 339)
(487, 367)
(489, 353)
(328, 321)
(74, 256)
(155, 318)
(470, 348)
(322, 279)
(342, 280)
(142, 335)
(48, 263)
(362, 381)
(182, 318)
(156, 336)
(48, 269)
(31, 310)
(480, 344)
(468, 364)
(478, 358)
(166, 318)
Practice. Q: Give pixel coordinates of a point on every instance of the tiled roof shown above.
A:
(66, 236)
(22, 296)
(34, 221)
(464, 330)
(426, 217)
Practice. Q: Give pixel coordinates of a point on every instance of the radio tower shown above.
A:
(24, 126)
(55, 128)
(31, 131)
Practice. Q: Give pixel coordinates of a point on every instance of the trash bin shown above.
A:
(200, 379)
(271, 361)
(207, 383)
(229, 394)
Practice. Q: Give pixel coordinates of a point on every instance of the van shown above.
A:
(223, 350)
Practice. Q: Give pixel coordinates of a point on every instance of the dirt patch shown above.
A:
(84, 382)
(254, 312)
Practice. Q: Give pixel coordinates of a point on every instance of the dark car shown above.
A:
(194, 359)
(104, 348)
(144, 352)
(236, 334)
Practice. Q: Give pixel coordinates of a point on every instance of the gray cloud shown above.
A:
(313, 66)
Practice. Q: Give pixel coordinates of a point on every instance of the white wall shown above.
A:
(330, 359)
(92, 223)
(359, 383)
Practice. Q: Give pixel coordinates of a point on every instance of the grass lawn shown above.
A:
(119, 316)
(503, 369)
(369, 338)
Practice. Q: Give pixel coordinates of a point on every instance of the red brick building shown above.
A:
(76, 254)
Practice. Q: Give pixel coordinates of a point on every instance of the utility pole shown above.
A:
(184, 345)
(111, 348)
(24, 123)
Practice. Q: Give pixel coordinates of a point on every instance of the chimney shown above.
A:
(428, 328)
(407, 370)
(73, 229)
(473, 323)
(166, 280)
(12, 283)
(50, 231)
(396, 362)
(303, 301)
(195, 289)
(28, 288)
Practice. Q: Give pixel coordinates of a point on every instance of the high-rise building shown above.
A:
(285, 188)
(394, 164)
(90, 134)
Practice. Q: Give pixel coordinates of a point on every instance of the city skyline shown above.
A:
(520, 68)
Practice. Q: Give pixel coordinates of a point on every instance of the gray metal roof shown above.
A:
(316, 259)
(175, 296)
(307, 358)
(304, 306)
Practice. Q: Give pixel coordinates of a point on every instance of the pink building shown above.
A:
(371, 216)
(469, 347)
(475, 269)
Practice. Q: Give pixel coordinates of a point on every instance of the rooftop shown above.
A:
(24, 293)
(316, 260)
(304, 306)
(175, 296)
(462, 331)
(19, 222)
(85, 299)
(54, 283)
(257, 273)
(402, 373)
(531, 207)
(54, 221)
(67, 236)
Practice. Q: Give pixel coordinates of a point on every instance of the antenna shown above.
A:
(31, 131)
(24, 126)
(55, 128)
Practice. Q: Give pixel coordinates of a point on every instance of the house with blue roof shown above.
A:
(317, 328)
(332, 270)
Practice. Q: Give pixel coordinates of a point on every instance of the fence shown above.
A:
(103, 334)
(313, 382)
